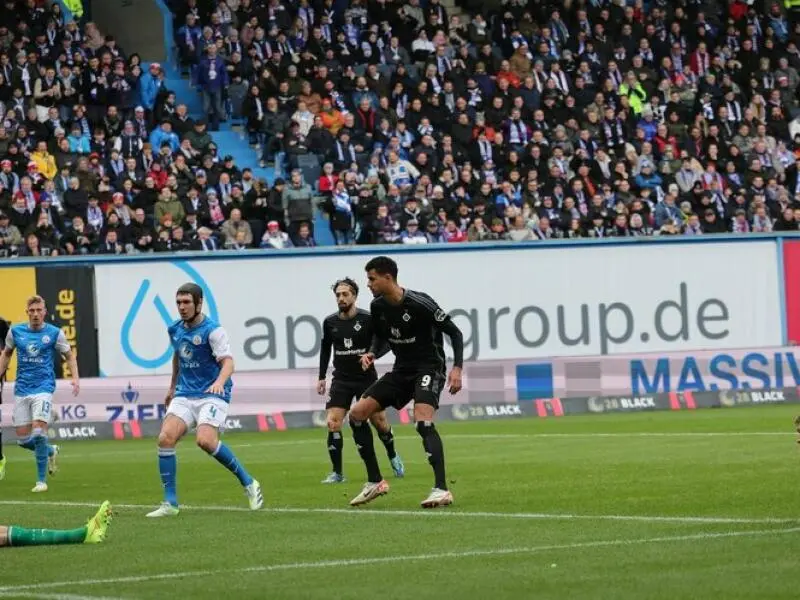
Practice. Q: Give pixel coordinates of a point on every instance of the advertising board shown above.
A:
(515, 303)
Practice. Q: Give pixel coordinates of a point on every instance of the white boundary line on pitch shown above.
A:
(403, 558)
(56, 596)
(443, 514)
(449, 436)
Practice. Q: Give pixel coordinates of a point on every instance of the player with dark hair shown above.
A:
(199, 395)
(348, 332)
(4, 327)
(413, 325)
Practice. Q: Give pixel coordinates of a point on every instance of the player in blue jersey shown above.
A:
(4, 327)
(199, 395)
(36, 343)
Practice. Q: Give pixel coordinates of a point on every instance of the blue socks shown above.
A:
(227, 459)
(168, 467)
(28, 444)
(40, 449)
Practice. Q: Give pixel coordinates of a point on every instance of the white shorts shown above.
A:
(36, 407)
(200, 411)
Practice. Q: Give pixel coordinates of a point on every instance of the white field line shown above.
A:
(448, 437)
(425, 514)
(56, 596)
(403, 558)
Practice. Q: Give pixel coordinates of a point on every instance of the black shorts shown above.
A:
(342, 393)
(398, 389)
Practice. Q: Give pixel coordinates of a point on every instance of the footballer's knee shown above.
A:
(335, 418)
(360, 412)
(167, 439)
(379, 421)
(425, 428)
(207, 441)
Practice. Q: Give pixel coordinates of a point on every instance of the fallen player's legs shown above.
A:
(92, 533)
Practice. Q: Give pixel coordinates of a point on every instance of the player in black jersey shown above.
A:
(413, 325)
(349, 333)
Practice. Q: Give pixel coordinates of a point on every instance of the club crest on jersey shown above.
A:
(186, 351)
(357, 327)
(395, 332)
(46, 339)
(348, 342)
(406, 317)
(32, 349)
(439, 316)
(197, 340)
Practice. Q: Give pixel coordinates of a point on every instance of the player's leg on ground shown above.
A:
(335, 417)
(91, 533)
(208, 440)
(172, 430)
(360, 414)
(386, 436)
(424, 415)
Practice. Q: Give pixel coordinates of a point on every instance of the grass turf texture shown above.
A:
(641, 466)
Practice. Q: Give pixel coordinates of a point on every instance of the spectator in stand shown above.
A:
(212, 79)
(553, 111)
(297, 200)
(275, 239)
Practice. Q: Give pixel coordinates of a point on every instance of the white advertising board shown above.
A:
(511, 304)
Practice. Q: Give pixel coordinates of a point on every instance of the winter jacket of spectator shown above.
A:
(277, 241)
(10, 236)
(199, 140)
(81, 243)
(636, 96)
(148, 90)
(159, 136)
(172, 207)
(298, 202)
(79, 144)
(229, 229)
(665, 214)
(332, 120)
(46, 164)
(138, 233)
(204, 81)
(275, 122)
(520, 235)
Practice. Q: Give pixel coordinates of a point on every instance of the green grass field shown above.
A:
(657, 505)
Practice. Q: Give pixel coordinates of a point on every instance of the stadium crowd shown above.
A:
(528, 120)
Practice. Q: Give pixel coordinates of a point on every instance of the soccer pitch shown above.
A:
(656, 505)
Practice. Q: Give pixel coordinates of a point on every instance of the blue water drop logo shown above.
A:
(209, 301)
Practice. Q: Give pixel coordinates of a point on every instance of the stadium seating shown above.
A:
(529, 122)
